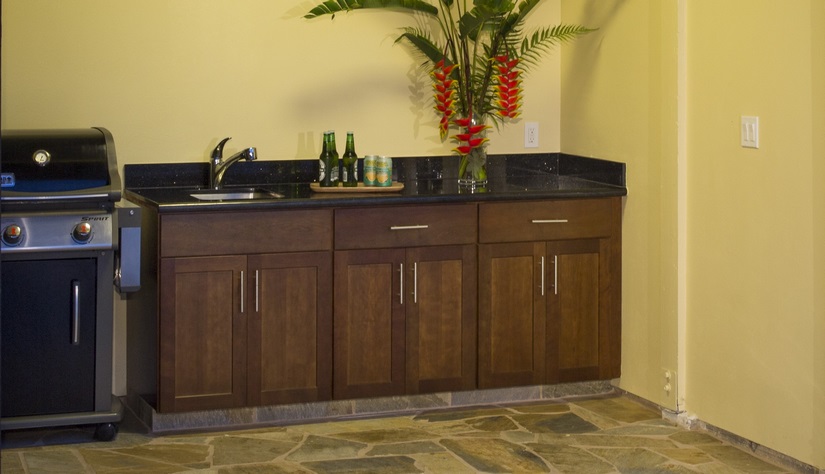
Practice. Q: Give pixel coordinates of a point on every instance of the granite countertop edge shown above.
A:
(167, 187)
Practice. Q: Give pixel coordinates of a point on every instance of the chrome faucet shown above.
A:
(217, 167)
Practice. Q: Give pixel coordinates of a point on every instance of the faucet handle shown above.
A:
(217, 153)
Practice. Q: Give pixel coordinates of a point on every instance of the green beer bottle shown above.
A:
(324, 175)
(350, 160)
(334, 163)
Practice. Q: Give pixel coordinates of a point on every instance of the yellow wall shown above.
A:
(617, 90)
(739, 233)
(724, 248)
(170, 78)
(755, 218)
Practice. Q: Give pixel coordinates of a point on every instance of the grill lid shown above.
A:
(46, 169)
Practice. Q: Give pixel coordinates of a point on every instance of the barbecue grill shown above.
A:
(66, 242)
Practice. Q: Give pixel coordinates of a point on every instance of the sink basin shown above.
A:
(234, 194)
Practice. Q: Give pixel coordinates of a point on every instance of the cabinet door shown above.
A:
(511, 315)
(290, 328)
(202, 360)
(368, 323)
(441, 318)
(582, 342)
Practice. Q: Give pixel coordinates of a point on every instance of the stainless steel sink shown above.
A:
(235, 194)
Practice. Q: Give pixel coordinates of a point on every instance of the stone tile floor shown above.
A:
(612, 434)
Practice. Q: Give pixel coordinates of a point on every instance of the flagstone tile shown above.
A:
(317, 448)
(495, 455)
(686, 455)
(738, 459)
(63, 461)
(416, 447)
(117, 462)
(388, 465)
(444, 462)
(632, 459)
(694, 438)
(493, 423)
(619, 409)
(566, 423)
(569, 459)
(239, 450)
(622, 441)
(385, 436)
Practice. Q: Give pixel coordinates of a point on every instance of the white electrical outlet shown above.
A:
(749, 132)
(531, 134)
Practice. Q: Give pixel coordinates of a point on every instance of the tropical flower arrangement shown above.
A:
(478, 62)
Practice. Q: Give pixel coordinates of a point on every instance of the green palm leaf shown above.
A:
(544, 39)
(331, 7)
(422, 43)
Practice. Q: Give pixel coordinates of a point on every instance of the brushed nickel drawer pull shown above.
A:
(415, 282)
(549, 221)
(409, 227)
(257, 285)
(242, 296)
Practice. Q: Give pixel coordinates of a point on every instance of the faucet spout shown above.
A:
(217, 167)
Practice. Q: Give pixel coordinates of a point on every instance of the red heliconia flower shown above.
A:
(444, 88)
(468, 141)
(508, 88)
(463, 122)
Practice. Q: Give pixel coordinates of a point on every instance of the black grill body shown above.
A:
(63, 232)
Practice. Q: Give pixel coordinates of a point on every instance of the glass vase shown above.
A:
(472, 168)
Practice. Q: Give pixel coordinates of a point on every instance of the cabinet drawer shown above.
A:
(547, 220)
(224, 233)
(407, 226)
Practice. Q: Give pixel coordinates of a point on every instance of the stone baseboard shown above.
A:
(252, 417)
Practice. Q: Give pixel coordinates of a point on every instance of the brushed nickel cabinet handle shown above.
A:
(242, 296)
(409, 227)
(555, 274)
(415, 282)
(257, 284)
(549, 221)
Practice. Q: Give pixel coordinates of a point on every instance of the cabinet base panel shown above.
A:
(250, 417)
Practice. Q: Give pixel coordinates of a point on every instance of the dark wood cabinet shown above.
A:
(248, 329)
(291, 306)
(549, 292)
(404, 315)
(290, 328)
(369, 334)
(441, 320)
(202, 360)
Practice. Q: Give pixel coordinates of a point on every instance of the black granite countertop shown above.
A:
(168, 187)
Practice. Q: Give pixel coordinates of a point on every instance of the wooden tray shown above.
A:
(394, 188)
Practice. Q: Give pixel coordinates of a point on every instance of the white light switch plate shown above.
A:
(749, 131)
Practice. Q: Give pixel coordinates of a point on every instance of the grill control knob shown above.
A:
(82, 233)
(12, 235)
